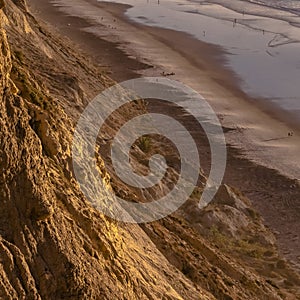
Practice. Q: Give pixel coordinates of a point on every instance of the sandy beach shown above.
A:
(263, 161)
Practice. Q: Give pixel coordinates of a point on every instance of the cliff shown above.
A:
(55, 245)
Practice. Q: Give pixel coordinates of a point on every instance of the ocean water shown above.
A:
(261, 37)
(290, 5)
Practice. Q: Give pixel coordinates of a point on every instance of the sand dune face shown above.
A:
(54, 245)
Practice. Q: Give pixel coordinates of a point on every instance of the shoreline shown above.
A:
(125, 61)
(259, 94)
(260, 128)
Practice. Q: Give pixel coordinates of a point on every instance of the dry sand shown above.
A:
(263, 162)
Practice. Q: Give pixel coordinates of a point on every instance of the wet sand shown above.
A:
(263, 162)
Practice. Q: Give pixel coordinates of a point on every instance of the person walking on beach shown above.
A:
(234, 22)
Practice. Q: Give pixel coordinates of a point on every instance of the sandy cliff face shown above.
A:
(53, 244)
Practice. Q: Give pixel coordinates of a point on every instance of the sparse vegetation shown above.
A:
(240, 246)
(26, 89)
(19, 55)
(144, 143)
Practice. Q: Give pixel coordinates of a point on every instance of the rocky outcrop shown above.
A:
(53, 244)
